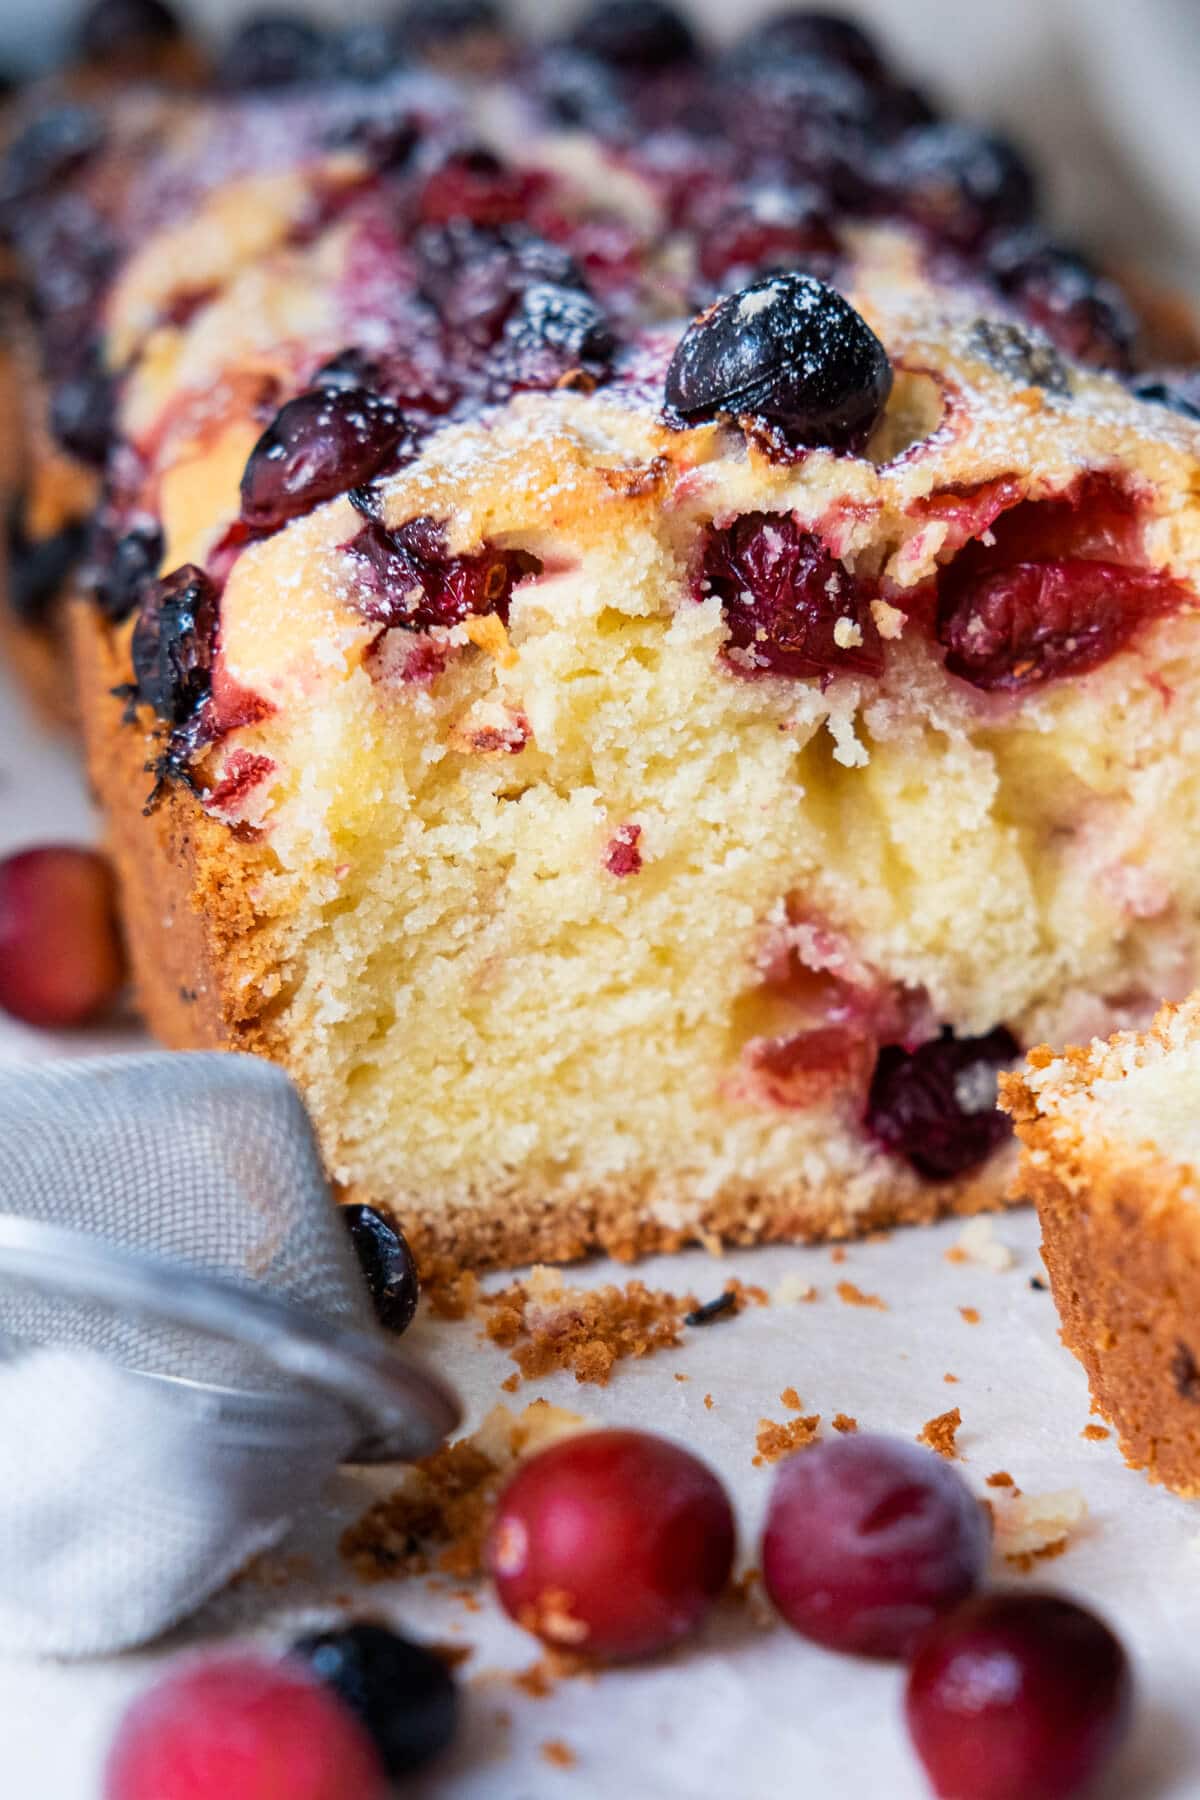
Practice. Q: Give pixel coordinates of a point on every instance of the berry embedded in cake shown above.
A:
(1111, 1156)
(665, 645)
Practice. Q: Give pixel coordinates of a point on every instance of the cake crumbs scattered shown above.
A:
(450, 1292)
(791, 1399)
(541, 1678)
(854, 1296)
(970, 1314)
(558, 1754)
(978, 1243)
(709, 1402)
(547, 1325)
(793, 1291)
(953, 1379)
(680, 1377)
(1001, 1478)
(774, 1441)
(844, 1422)
(512, 1382)
(940, 1433)
(838, 1254)
(1095, 1434)
(438, 1517)
(1030, 1528)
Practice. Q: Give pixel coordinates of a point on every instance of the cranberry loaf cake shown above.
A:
(1112, 1157)
(639, 630)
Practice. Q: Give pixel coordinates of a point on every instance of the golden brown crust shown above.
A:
(1121, 1243)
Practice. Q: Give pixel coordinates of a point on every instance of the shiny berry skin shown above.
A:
(172, 645)
(239, 1728)
(401, 1693)
(412, 581)
(784, 598)
(81, 411)
(789, 350)
(936, 1105)
(1176, 389)
(549, 332)
(273, 50)
(61, 961)
(639, 37)
(124, 572)
(1017, 1696)
(316, 447)
(800, 32)
(387, 1265)
(868, 1540)
(959, 183)
(611, 1544)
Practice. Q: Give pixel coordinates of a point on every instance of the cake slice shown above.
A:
(643, 682)
(1111, 1156)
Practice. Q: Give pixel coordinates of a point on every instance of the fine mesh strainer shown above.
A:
(187, 1347)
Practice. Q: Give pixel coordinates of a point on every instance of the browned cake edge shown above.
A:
(1121, 1243)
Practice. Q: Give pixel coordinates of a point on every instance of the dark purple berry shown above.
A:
(38, 568)
(799, 32)
(579, 90)
(52, 146)
(387, 1265)
(366, 52)
(639, 37)
(1077, 307)
(402, 1693)
(550, 331)
(1018, 1696)
(474, 187)
(273, 50)
(350, 368)
(81, 410)
(1176, 389)
(789, 350)
(959, 183)
(412, 581)
(118, 30)
(68, 252)
(767, 230)
(430, 28)
(316, 447)
(474, 277)
(173, 643)
(936, 1105)
(124, 572)
(868, 1540)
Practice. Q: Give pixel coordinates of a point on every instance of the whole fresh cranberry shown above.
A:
(936, 1105)
(613, 1544)
(402, 1694)
(316, 447)
(238, 1728)
(61, 961)
(868, 1540)
(790, 351)
(1063, 293)
(1017, 1696)
(273, 50)
(639, 37)
(387, 1263)
(791, 607)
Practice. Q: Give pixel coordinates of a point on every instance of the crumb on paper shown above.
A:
(940, 1433)
(791, 1399)
(680, 1377)
(512, 1382)
(558, 1754)
(774, 1442)
(854, 1296)
(978, 1243)
(1030, 1528)
(709, 1403)
(844, 1422)
(1002, 1479)
(438, 1515)
(838, 1253)
(793, 1290)
(746, 1591)
(953, 1379)
(546, 1325)
(1095, 1433)
(540, 1679)
(450, 1292)
(970, 1314)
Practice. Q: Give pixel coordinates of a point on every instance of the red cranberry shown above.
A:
(1060, 291)
(402, 1693)
(237, 1728)
(387, 1264)
(1017, 626)
(1018, 1697)
(772, 229)
(316, 447)
(414, 582)
(639, 37)
(273, 50)
(936, 1106)
(959, 183)
(61, 961)
(789, 350)
(784, 597)
(477, 188)
(172, 646)
(613, 1544)
(868, 1540)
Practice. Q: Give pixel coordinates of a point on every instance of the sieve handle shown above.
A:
(402, 1409)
